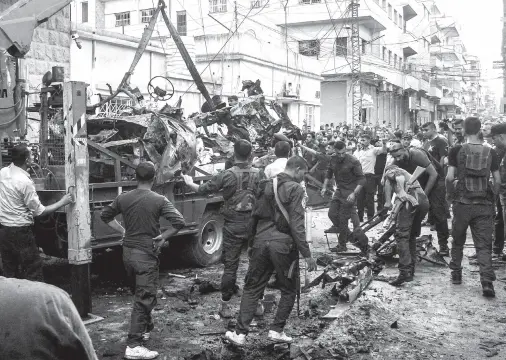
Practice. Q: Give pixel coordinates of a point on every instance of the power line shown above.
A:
(219, 51)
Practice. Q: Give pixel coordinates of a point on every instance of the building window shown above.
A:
(400, 21)
(364, 44)
(84, 12)
(341, 46)
(390, 11)
(395, 61)
(255, 4)
(310, 116)
(309, 47)
(217, 6)
(396, 17)
(122, 19)
(384, 57)
(384, 4)
(400, 63)
(181, 22)
(389, 57)
(146, 15)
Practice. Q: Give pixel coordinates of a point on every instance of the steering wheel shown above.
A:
(156, 91)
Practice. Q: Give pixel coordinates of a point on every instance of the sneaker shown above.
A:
(237, 339)
(279, 337)
(456, 277)
(146, 336)
(488, 289)
(260, 309)
(139, 353)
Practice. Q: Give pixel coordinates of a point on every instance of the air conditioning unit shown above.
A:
(291, 90)
(384, 86)
(399, 92)
(317, 95)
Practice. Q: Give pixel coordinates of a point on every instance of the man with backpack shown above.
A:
(469, 170)
(239, 184)
(432, 182)
(279, 235)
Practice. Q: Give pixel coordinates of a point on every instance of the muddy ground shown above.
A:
(428, 318)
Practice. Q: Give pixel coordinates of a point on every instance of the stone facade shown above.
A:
(50, 47)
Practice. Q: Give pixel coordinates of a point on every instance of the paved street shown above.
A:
(435, 319)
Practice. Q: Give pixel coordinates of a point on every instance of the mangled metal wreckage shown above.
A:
(176, 144)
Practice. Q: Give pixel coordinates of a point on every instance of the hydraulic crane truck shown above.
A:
(200, 242)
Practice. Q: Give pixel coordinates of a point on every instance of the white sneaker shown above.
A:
(146, 336)
(279, 337)
(237, 339)
(139, 353)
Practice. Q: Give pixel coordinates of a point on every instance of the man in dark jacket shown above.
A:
(274, 249)
(350, 179)
(238, 184)
(470, 167)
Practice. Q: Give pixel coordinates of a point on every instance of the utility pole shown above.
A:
(356, 64)
(286, 36)
(235, 16)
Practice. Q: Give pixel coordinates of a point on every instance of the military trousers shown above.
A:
(267, 257)
(234, 240)
(480, 218)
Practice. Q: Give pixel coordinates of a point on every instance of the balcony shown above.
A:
(450, 101)
(311, 12)
(434, 31)
(409, 12)
(445, 52)
(435, 91)
(409, 44)
(448, 26)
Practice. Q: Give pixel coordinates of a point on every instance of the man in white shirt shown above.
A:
(282, 152)
(19, 204)
(366, 155)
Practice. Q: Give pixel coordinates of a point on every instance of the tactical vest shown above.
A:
(243, 199)
(473, 172)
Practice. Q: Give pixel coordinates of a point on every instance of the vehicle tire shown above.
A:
(205, 247)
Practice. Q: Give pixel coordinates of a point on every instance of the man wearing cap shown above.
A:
(142, 241)
(366, 155)
(470, 168)
(432, 182)
(238, 184)
(406, 140)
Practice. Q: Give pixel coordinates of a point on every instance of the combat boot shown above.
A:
(457, 277)
(404, 276)
(225, 310)
(488, 289)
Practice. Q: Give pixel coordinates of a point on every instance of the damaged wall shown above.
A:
(50, 47)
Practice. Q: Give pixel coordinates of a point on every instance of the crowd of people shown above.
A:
(453, 167)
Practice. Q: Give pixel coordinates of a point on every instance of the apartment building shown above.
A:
(455, 71)
(395, 54)
(229, 42)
